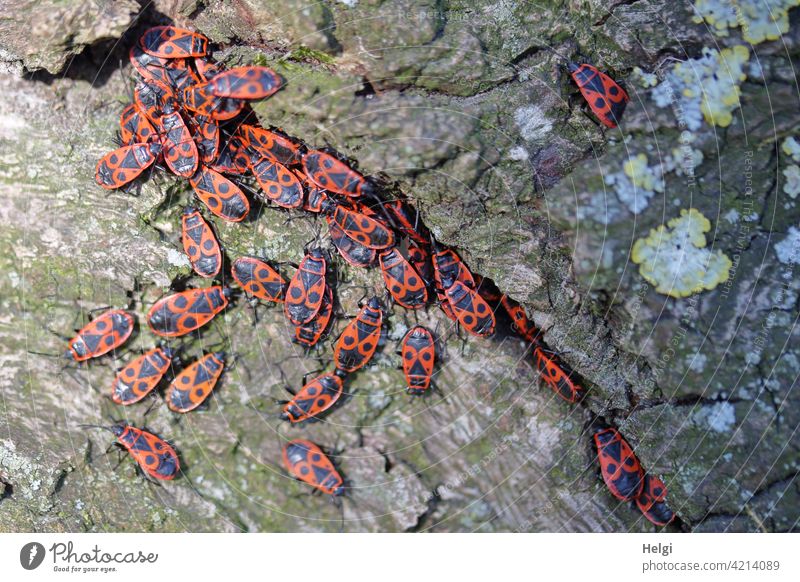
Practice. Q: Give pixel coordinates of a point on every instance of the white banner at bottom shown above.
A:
(356, 557)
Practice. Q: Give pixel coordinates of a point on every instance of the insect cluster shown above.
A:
(191, 117)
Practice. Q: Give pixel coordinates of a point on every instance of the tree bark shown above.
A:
(464, 107)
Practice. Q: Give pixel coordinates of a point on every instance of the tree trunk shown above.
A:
(464, 108)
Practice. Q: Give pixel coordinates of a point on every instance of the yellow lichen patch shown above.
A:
(760, 19)
(637, 183)
(791, 148)
(722, 97)
(706, 87)
(674, 258)
(791, 173)
(641, 174)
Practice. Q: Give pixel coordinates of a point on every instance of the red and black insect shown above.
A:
(151, 97)
(317, 396)
(487, 289)
(271, 145)
(621, 470)
(194, 384)
(181, 313)
(220, 195)
(206, 69)
(420, 257)
(359, 227)
(351, 251)
(557, 374)
(402, 280)
(149, 67)
(200, 244)
(307, 288)
(316, 200)
(206, 135)
(418, 353)
(200, 100)
(406, 220)
(154, 456)
(170, 42)
(138, 378)
(123, 165)
(245, 83)
(448, 268)
(259, 279)
(134, 127)
(335, 176)
(604, 95)
(470, 309)
(180, 74)
(306, 462)
(179, 149)
(279, 184)
(309, 333)
(232, 158)
(359, 340)
(519, 319)
(652, 501)
(226, 108)
(104, 333)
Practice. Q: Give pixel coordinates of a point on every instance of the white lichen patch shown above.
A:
(518, 154)
(791, 173)
(684, 158)
(532, 122)
(732, 216)
(697, 362)
(644, 79)
(719, 417)
(705, 88)
(637, 183)
(791, 147)
(760, 19)
(177, 259)
(791, 183)
(675, 260)
(788, 250)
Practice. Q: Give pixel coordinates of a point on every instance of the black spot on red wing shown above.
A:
(201, 305)
(320, 473)
(148, 369)
(614, 450)
(595, 84)
(617, 109)
(91, 341)
(628, 484)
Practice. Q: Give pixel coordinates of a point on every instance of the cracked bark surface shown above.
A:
(462, 107)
